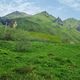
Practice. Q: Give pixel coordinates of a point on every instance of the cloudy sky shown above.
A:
(61, 8)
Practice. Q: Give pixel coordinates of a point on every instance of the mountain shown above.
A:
(16, 14)
(40, 22)
(43, 23)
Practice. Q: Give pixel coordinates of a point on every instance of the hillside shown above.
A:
(46, 23)
(67, 31)
(71, 23)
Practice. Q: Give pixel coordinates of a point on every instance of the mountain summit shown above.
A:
(16, 14)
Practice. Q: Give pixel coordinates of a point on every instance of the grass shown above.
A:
(45, 61)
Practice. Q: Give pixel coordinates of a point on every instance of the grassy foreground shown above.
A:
(44, 61)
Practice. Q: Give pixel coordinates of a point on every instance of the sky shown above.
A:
(58, 8)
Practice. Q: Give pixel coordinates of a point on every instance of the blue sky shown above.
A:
(61, 8)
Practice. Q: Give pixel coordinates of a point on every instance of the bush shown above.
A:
(24, 70)
(11, 34)
(7, 34)
(22, 46)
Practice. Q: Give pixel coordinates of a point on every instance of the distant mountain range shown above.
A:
(67, 30)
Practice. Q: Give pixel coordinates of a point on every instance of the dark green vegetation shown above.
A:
(41, 47)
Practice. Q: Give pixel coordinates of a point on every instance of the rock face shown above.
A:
(45, 13)
(5, 21)
(59, 21)
(13, 24)
(8, 22)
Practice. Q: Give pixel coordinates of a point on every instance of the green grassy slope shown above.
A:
(71, 23)
(44, 61)
(44, 23)
(16, 34)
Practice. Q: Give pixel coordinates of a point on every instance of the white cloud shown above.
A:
(74, 4)
(18, 5)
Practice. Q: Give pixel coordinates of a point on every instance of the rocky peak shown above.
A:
(59, 21)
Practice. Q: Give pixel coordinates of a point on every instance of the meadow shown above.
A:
(42, 61)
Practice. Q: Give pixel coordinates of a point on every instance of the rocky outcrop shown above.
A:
(8, 22)
(59, 21)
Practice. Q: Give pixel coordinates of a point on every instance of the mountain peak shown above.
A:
(44, 13)
(71, 19)
(16, 14)
(59, 21)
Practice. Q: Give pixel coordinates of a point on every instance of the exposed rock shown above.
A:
(59, 21)
(13, 24)
(8, 22)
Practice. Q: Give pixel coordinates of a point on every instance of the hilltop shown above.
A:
(16, 14)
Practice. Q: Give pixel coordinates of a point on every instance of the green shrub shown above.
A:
(7, 34)
(11, 34)
(24, 70)
(22, 46)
